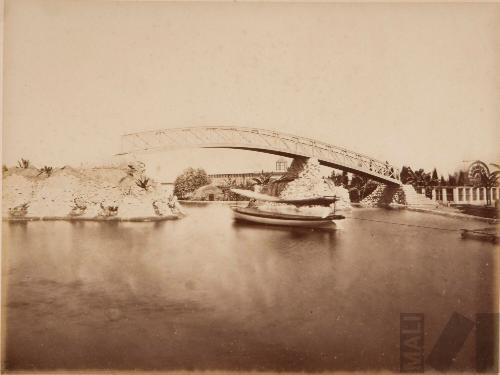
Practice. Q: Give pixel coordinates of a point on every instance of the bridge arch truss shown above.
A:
(260, 140)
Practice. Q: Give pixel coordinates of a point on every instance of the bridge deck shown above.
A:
(260, 140)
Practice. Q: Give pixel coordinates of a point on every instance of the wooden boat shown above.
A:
(315, 201)
(256, 215)
(486, 234)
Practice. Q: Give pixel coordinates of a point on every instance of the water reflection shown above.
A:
(207, 293)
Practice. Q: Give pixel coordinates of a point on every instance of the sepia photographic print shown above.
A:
(250, 187)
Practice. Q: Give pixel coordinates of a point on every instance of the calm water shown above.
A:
(205, 293)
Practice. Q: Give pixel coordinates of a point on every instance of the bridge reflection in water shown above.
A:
(260, 140)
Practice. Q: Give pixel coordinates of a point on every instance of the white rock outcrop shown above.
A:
(84, 192)
(310, 184)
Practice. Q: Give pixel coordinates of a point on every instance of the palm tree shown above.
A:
(489, 180)
(47, 170)
(143, 183)
(263, 179)
(419, 178)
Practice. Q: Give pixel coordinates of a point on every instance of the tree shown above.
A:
(340, 179)
(344, 179)
(442, 181)
(358, 184)
(263, 179)
(418, 178)
(434, 178)
(462, 178)
(405, 174)
(421, 179)
(452, 181)
(360, 187)
(488, 180)
(190, 180)
(47, 170)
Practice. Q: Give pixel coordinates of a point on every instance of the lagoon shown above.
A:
(206, 293)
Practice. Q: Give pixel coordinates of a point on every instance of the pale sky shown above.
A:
(415, 84)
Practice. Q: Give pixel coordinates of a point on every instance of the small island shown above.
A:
(108, 193)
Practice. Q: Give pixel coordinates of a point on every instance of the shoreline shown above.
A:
(211, 202)
(456, 215)
(100, 219)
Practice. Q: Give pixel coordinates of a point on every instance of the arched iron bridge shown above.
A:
(260, 140)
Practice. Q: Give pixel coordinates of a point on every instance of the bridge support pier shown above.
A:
(383, 195)
(406, 195)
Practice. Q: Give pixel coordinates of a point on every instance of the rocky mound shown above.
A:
(310, 184)
(84, 192)
(305, 181)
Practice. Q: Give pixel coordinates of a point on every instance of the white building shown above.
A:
(221, 179)
(462, 194)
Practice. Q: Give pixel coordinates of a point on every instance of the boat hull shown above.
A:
(270, 218)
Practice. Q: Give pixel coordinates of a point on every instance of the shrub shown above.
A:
(263, 179)
(19, 211)
(190, 180)
(78, 208)
(47, 170)
(24, 163)
(108, 211)
(131, 170)
(143, 183)
(229, 184)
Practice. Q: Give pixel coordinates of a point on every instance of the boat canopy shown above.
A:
(319, 200)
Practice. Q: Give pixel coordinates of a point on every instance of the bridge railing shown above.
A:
(252, 138)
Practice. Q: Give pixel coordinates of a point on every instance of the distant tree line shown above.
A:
(192, 179)
(428, 180)
(422, 179)
(359, 186)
